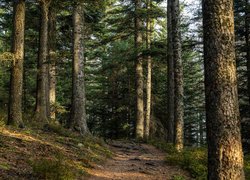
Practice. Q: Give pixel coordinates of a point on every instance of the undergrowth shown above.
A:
(50, 152)
(52, 168)
(247, 166)
(194, 160)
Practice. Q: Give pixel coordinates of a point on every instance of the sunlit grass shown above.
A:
(194, 160)
(49, 151)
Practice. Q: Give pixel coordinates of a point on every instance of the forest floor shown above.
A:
(55, 153)
(51, 153)
(134, 161)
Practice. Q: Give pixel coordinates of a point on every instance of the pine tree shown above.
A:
(149, 30)
(225, 157)
(52, 60)
(78, 119)
(139, 71)
(171, 93)
(247, 37)
(16, 84)
(178, 76)
(42, 99)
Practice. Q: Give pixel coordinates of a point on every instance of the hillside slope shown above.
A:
(53, 153)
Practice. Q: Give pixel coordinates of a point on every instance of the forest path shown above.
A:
(133, 161)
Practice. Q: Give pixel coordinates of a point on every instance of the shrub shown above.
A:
(167, 147)
(52, 169)
(247, 166)
(4, 166)
(58, 129)
(194, 160)
(178, 177)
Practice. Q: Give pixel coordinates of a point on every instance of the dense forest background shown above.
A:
(125, 69)
(109, 65)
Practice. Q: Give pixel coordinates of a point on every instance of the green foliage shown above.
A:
(59, 109)
(195, 160)
(160, 144)
(247, 166)
(178, 177)
(4, 166)
(52, 169)
(61, 113)
(192, 159)
(6, 58)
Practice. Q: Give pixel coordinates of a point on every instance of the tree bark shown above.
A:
(139, 72)
(170, 95)
(78, 120)
(247, 31)
(225, 157)
(149, 71)
(16, 83)
(41, 112)
(52, 63)
(178, 76)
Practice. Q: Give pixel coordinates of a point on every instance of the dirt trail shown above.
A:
(134, 161)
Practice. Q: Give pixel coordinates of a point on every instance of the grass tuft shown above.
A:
(247, 166)
(52, 168)
(194, 160)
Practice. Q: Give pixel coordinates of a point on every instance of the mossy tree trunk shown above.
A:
(78, 120)
(225, 157)
(16, 83)
(42, 103)
(139, 72)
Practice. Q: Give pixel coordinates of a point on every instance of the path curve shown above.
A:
(134, 161)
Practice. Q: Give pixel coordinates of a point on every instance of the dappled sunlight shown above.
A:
(19, 135)
(36, 152)
(135, 161)
(25, 137)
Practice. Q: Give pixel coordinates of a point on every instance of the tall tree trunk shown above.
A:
(42, 76)
(170, 95)
(16, 83)
(149, 71)
(247, 35)
(178, 74)
(52, 63)
(78, 120)
(225, 157)
(139, 72)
